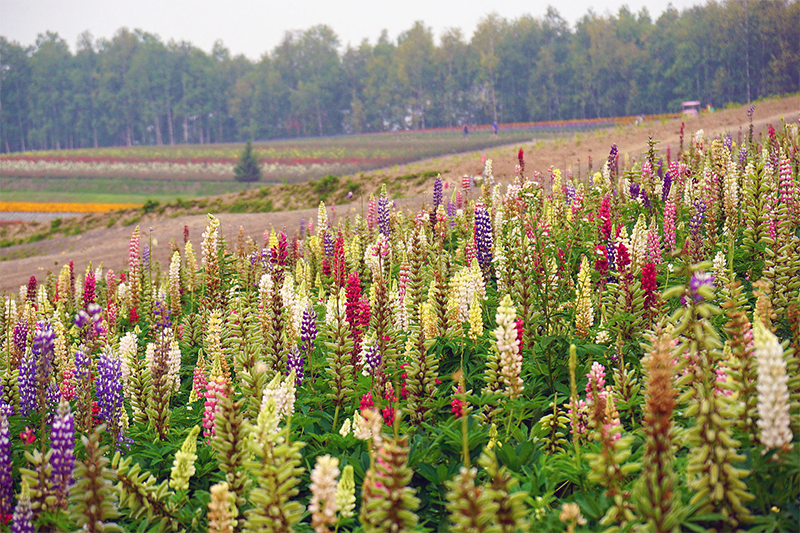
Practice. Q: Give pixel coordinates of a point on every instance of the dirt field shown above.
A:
(109, 246)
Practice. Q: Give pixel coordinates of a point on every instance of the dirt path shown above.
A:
(109, 247)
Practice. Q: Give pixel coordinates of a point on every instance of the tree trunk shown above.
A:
(158, 131)
(185, 129)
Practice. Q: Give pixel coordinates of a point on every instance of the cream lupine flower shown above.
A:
(346, 493)
(346, 428)
(191, 267)
(210, 244)
(175, 284)
(220, 515)
(322, 218)
(475, 318)
(773, 390)
(323, 504)
(127, 353)
(508, 347)
(639, 241)
(584, 313)
(183, 466)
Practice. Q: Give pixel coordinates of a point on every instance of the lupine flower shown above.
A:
(31, 292)
(89, 285)
(649, 286)
(508, 347)
(370, 358)
(109, 391)
(294, 363)
(215, 390)
(62, 442)
(6, 482)
(22, 521)
(183, 466)
(323, 505)
(346, 492)
(367, 402)
(28, 398)
(437, 192)
(773, 390)
(483, 238)
(383, 212)
(700, 286)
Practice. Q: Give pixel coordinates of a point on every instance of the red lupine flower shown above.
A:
(27, 436)
(457, 407)
(367, 402)
(520, 331)
(133, 316)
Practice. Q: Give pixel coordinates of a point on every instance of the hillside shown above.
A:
(104, 238)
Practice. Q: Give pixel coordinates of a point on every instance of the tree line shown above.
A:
(136, 89)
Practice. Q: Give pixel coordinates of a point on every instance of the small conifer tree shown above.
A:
(247, 169)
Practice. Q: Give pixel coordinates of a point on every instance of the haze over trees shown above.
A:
(135, 89)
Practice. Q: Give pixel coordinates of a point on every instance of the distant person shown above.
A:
(466, 131)
(494, 127)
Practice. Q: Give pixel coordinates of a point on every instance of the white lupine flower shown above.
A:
(773, 389)
(283, 392)
(174, 364)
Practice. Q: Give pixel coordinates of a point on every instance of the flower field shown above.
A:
(547, 354)
(292, 160)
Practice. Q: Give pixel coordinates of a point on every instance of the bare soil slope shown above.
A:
(109, 246)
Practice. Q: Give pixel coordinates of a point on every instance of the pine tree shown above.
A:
(247, 169)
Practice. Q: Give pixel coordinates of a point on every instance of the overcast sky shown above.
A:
(253, 27)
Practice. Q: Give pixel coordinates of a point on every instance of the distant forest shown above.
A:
(135, 89)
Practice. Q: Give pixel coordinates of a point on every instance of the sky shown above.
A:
(252, 27)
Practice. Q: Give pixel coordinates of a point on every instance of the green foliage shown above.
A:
(247, 169)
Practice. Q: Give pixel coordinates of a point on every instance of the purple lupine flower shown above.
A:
(22, 521)
(44, 343)
(645, 200)
(82, 319)
(666, 186)
(21, 335)
(162, 314)
(483, 238)
(6, 482)
(371, 358)
(697, 220)
(742, 154)
(82, 365)
(308, 329)
(612, 158)
(570, 193)
(28, 399)
(728, 142)
(700, 279)
(660, 170)
(294, 361)
(109, 390)
(383, 215)
(146, 254)
(328, 244)
(62, 442)
(611, 253)
(437, 193)
(634, 190)
(302, 227)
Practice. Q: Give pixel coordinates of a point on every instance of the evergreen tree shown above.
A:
(247, 169)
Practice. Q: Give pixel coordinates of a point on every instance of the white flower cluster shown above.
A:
(127, 352)
(283, 392)
(508, 346)
(773, 389)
